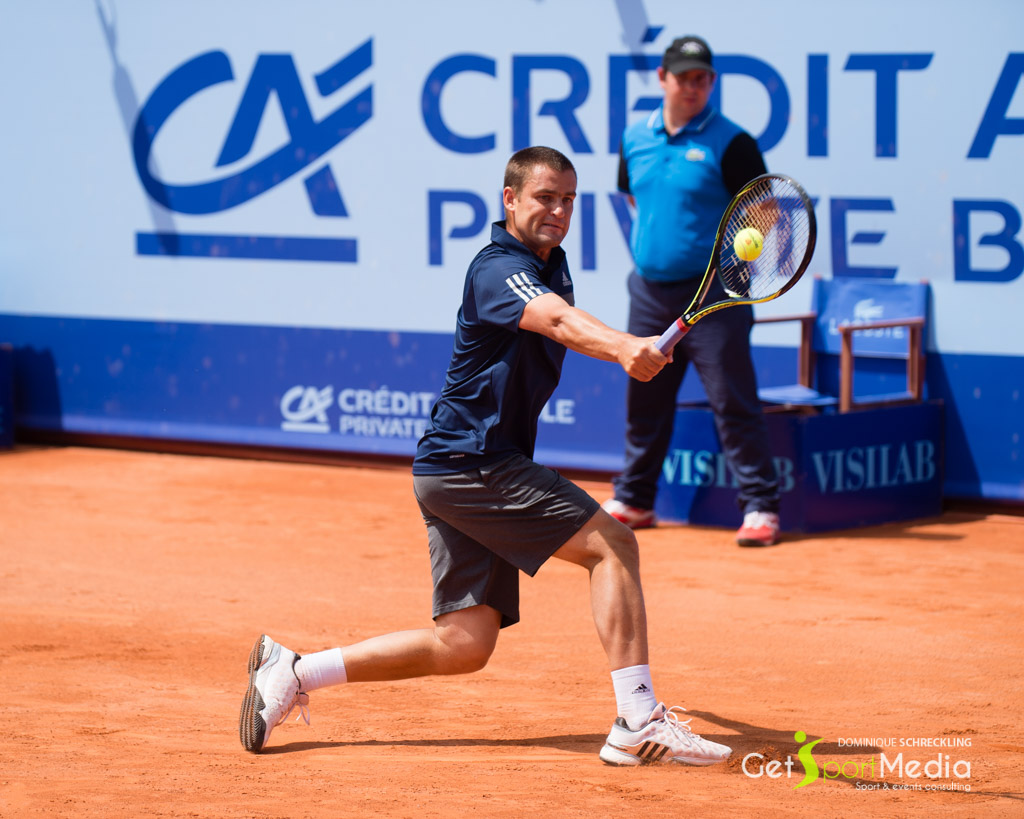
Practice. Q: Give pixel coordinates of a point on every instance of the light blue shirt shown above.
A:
(679, 191)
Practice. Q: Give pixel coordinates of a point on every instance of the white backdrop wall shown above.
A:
(330, 168)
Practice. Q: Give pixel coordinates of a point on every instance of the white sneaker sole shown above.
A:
(611, 755)
(251, 727)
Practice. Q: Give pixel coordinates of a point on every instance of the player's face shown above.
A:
(687, 93)
(539, 215)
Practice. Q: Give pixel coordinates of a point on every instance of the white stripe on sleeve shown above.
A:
(523, 288)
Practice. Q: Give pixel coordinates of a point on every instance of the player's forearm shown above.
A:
(583, 333)
(552, 316)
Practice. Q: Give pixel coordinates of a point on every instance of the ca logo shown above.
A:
(305, 409)
(309, 139)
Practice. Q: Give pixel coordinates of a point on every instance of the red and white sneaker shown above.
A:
(633, 517)
(759, 529)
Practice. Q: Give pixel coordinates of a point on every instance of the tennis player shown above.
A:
(490, 510)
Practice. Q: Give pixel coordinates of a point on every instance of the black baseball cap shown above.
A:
(686, 54)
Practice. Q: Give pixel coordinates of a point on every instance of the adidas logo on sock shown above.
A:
(642, 689)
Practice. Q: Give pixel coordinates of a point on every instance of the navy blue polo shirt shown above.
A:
(499, 377)
(682, 185)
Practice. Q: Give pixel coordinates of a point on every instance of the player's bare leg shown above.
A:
(459, 643)
(645, 732)
(609, 551)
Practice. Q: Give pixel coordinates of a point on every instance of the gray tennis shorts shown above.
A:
(486, 525)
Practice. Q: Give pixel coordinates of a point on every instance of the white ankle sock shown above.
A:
(320, 670)
(634, 694)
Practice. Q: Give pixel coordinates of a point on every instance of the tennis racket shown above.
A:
(781, 212)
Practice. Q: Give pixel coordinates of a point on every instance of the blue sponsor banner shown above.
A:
(835, 471)
(370, 392)
(268, 386)
(299, 388)
(6, 396)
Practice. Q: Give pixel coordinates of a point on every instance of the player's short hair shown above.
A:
(520, 166)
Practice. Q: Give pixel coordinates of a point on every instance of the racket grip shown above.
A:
(672, 336)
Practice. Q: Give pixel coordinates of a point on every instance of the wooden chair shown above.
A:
(856, 320)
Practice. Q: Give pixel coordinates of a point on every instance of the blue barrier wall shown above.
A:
(371, 392)
(249, 223)
(835, 471)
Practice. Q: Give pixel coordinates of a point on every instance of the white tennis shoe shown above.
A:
(272, 695)
(664, 739)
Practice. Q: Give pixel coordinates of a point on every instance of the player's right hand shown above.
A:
(642, 360)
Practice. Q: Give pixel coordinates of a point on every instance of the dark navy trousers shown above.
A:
(719, 348)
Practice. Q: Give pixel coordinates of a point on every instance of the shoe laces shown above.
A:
(757, 519)
(302, 701)
(679, 728)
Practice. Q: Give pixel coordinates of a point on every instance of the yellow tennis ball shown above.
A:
(748, 244)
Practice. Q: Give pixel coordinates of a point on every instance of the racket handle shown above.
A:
(672, 336)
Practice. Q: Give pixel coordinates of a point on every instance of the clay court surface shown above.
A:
(134, 584)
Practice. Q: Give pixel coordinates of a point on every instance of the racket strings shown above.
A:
(778, 212)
